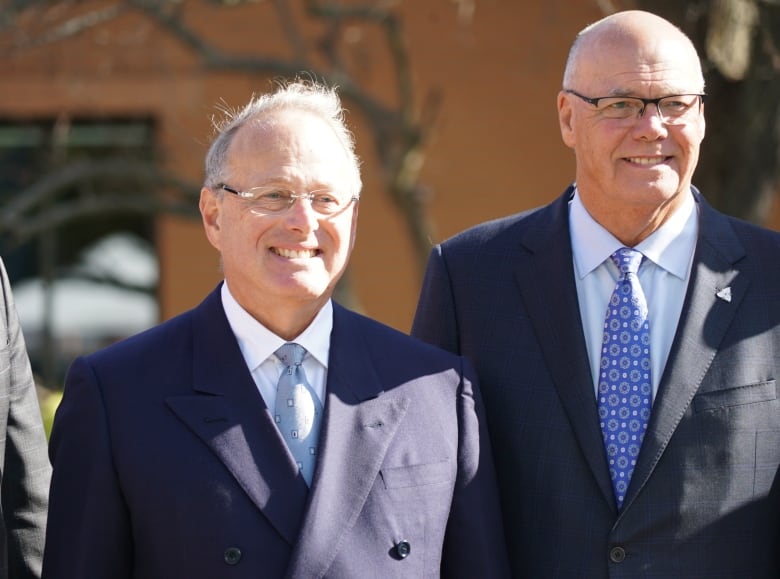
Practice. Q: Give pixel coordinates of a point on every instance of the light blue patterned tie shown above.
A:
(625, 389)
(298, 410)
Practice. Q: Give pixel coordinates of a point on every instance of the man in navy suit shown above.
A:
(170, 450)
(525, 298)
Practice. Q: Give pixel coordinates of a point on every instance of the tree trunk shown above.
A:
(739, 45)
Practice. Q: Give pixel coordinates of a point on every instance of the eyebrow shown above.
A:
(287, 184)
(619, 92)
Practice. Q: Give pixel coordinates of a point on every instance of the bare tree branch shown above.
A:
(291, 31)
(400, 132)
(39, 208)
(401, 143)
(108, 203)
(70, 28)
(730, 31)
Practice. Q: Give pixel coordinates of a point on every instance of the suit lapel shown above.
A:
(553, 310)
(545, 277)
(360, 422)
(228, 414)
(703, 323)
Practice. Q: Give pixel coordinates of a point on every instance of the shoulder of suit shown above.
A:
(377, 335)
(754, 238)
(163, 337)
(747, 228)
(503, 229)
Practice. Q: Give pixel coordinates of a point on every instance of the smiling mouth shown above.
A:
(295, 253)
(647, 161)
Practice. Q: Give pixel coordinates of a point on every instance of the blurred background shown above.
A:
(105, 117)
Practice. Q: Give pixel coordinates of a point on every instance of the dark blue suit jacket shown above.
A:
(167, 463)
(703, 500)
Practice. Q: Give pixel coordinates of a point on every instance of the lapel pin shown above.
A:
(724, 294)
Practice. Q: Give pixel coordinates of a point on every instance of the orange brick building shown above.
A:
(493, 149)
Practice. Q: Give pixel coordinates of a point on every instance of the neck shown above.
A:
(634, 223)
(286, 321)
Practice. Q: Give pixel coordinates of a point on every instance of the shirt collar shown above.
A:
(670, 247)
(258, 343)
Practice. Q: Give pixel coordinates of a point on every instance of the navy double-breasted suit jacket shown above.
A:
(167, 463)
(703, 499)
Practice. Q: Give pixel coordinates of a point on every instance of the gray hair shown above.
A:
(300, 95)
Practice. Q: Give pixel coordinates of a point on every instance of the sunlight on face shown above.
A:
(636, 165)
(293, 258)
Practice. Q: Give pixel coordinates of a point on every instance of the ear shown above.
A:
(353, 227)
(565, 114)
(210, 211)
(702, 124)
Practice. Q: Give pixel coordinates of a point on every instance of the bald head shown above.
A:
(645, 37)
(634, 162)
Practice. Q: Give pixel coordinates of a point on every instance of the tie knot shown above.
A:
(291, 354)
(627, 260)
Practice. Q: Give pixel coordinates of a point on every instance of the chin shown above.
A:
(307, 289)
(655, 192)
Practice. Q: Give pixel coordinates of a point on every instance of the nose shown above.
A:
(650, 126)
(657, 111)
(301, 215)
(297, 198)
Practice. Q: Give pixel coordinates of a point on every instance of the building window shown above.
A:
(77, 233)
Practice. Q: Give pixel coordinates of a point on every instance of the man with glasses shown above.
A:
(270, 432)
(626, 336)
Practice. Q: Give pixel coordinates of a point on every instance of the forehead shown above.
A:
(642, 62)
(295, 146)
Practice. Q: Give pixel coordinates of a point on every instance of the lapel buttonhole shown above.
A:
(210, 419)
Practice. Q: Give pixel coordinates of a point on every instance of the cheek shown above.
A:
(342, 234)
(592, 157)
(691, 148)
(243, 237)
(596, 145)
(692, 137)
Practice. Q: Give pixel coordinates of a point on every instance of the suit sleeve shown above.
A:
(474, 544)
(88, 534)
(434, 321)
(26, 470)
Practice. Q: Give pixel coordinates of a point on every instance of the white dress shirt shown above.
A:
(663, 275)
(258, 345)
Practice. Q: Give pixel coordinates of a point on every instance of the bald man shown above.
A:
(626, 336)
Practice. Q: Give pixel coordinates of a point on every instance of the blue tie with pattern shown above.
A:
(625, 391)
(298, 410)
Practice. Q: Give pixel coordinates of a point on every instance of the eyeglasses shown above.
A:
(271, 199)
(675, 109)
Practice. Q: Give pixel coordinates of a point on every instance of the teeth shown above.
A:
(646, 160)
(295, 253)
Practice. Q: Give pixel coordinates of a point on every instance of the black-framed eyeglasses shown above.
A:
(675, 109)
(274, 200)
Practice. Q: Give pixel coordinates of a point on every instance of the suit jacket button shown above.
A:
(617, 554)
(232, 555)
(402, 549)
